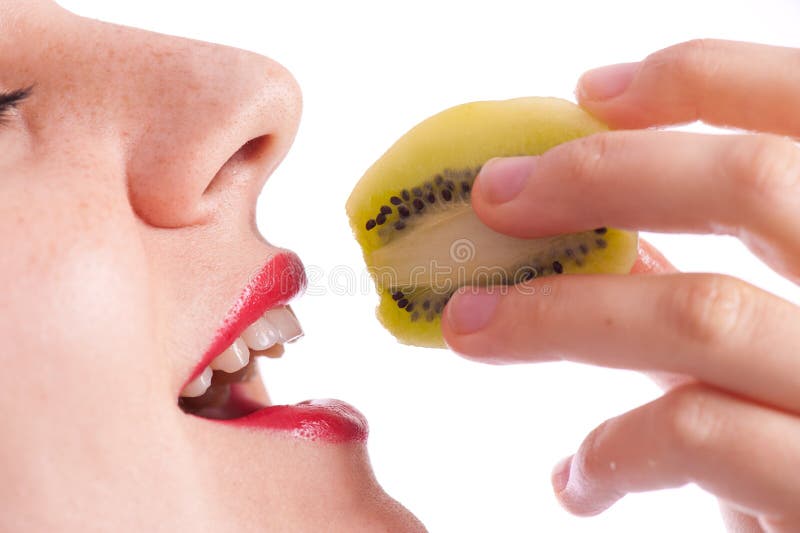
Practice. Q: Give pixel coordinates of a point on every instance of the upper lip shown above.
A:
(280, 279)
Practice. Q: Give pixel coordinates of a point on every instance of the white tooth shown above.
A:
(286, 323)
(199, 385)
(234, 358)
(260, 335)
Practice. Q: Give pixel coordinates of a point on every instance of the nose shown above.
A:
(206, 125)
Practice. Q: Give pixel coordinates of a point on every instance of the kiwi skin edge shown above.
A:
(438, 160)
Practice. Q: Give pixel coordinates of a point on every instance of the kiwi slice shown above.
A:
(421, 239)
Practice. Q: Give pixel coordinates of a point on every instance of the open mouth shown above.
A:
(226, 387)
(230, 386)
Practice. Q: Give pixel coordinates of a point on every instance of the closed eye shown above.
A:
(11, 100)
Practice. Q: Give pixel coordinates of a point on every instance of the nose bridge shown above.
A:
(203, 121)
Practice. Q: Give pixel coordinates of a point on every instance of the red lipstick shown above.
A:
(331, 421)
(280, 280)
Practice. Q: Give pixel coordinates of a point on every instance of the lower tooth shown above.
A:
(199, 385)
(274, 352)
(260, 335)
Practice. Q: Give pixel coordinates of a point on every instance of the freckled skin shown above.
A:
(127, 208)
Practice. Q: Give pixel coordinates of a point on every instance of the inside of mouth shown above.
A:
(232, 395)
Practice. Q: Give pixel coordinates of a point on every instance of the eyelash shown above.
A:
(10, 100)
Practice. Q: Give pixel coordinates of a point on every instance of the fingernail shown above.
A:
(502, 179)
(606, 82)
(560, 475)
(470, 310)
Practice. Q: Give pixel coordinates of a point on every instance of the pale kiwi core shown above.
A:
(412, 216)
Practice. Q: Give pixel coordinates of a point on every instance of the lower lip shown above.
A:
(331, 421)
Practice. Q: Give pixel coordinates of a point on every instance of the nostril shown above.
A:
(254, 148)
(249, 158)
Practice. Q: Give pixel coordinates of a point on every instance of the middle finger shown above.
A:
(717, 329)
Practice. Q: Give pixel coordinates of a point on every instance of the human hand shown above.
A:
(734, 427)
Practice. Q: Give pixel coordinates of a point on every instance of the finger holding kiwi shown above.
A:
(744, 186)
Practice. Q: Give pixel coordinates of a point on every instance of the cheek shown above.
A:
(79, 351)
(76, 301)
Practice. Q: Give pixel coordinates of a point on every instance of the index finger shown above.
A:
(725, 83)
(747, 186)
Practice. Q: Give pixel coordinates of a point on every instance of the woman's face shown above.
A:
(128, 185)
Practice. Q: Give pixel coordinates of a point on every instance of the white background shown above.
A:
(468, 448)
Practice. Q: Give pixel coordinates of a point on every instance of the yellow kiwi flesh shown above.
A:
(421, 240)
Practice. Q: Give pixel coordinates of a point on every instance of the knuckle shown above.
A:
(693, 424)
(765, 167)
(696, 52)
(707, 310)
(585, 156)
(692, 65)
(686, 60)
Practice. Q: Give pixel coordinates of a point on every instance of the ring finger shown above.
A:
(736, 450)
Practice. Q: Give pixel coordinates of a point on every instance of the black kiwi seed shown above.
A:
(410, 307)
(438, 308)
(601, 231)
(558, 267)
(406, 196)
(402, 303)
(528, 274)
(431, 198)
(417, 191)
(396, 296)
(465, 187)
(447, 195)
(450, 185)
(386, 210)
(403, 211)
(370, 224)
(380, 219)
(601, 243)
(395, 200)
(584, 249)
(439, 179)
(569, 252)
(426, 305)
(399, 225)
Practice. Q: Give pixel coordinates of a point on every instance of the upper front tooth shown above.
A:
(260, 335)
(234, 358)
(283, 319)
(199, 385)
